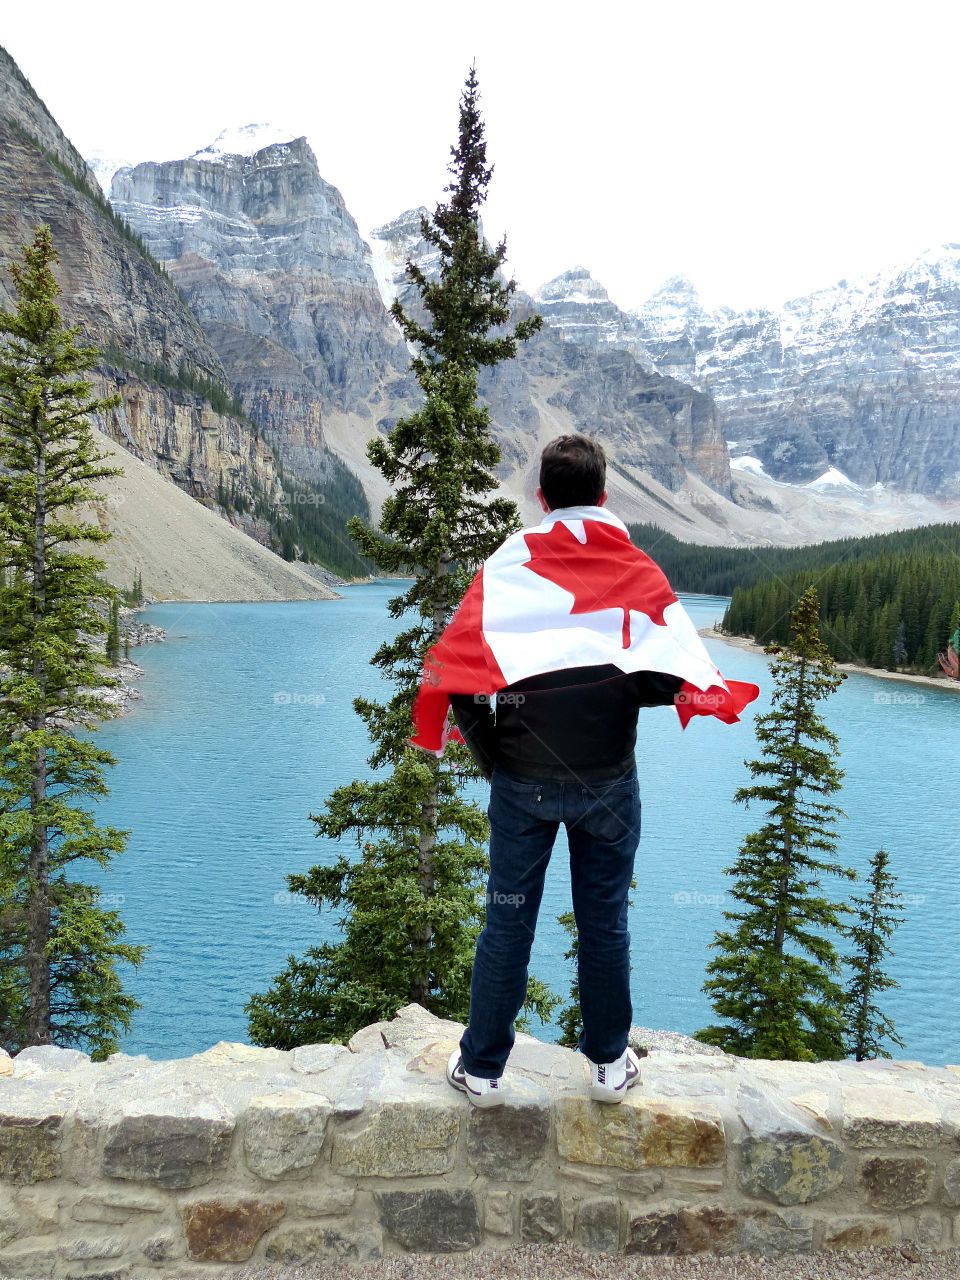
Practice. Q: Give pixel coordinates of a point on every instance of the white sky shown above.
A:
(764, 150)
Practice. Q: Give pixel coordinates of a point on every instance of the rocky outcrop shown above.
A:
(862, 378)
(333, 1153)
(124, 306)
(272, 264)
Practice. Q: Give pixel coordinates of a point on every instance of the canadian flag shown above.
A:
(572, 591)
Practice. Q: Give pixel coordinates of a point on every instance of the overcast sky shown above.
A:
(764, 150)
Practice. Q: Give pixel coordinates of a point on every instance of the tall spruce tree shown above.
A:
(877, 915)
(413, 902)
(58, 946)
(774, 977)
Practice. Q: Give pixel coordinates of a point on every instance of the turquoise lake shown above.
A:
(246, 724)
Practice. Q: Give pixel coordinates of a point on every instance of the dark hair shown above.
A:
(573, 470)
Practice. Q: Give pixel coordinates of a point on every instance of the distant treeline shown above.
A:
(219, 397)
(890, 600)
(318, 516)
(312, 525)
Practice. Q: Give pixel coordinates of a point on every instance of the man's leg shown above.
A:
(524, 821)
(603, 830)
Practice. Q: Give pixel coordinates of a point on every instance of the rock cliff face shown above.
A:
(587, 362)
(860, 381)
(272, 264)
(123, 305)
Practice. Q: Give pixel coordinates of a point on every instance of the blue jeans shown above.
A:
(603, 830)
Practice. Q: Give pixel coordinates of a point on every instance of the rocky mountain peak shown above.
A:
(247, 140)
(574, 286)
(674, 307)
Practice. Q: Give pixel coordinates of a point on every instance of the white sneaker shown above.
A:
(482, 1093)
(609, 1081)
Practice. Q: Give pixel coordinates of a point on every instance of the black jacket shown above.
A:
(577, 724)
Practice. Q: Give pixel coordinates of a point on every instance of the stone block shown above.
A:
(773, 1233)
(860, 1233)
(430, 1220)
(112, 1207)
(508, 1142)
(228, 1230)
(597, 1225)
(498, 1213)
(335, 1243)
(640, 1132)
(413, 1026)
(951, 1184)
(399, 1139)
(284, 1132)
(50, 1057)
(311, 1059)
(541, 1218)
(929, 1230)
(30, 1139)
(889, 1117)
(368, 1039)
(94, 1247)
(792, 1168)
(682, 1230)
(168, 1146)
(27, 1264)
(639, 1184)
(896, 1182)
(431, 1059)
(162, 1248)
(784, 1156)
(325, 1204)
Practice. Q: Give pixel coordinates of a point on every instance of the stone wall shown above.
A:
(186, 1167)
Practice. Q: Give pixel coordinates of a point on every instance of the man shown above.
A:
(566, 631)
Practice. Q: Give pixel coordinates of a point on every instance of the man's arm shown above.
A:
(655, 688)
(476, 722)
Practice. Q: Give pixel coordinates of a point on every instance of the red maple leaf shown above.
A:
(605, 572)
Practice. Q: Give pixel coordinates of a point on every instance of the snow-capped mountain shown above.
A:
(860, 380)
(579, 308)
(271, 262)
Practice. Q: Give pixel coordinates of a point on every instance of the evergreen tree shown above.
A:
(413, 901)
(774, 976)
(58, 946)
(113, 633)
(877, 917)
(570, 1018)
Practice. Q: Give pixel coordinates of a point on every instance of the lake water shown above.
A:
(246, 724)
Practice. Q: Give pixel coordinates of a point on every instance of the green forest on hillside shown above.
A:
(890, 600)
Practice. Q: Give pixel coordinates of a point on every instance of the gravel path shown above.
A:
(565, 1262)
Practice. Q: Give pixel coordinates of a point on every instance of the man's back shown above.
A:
(580, 722)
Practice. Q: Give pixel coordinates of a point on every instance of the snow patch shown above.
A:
(746, 462)
(833, 479)
(244, 141)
